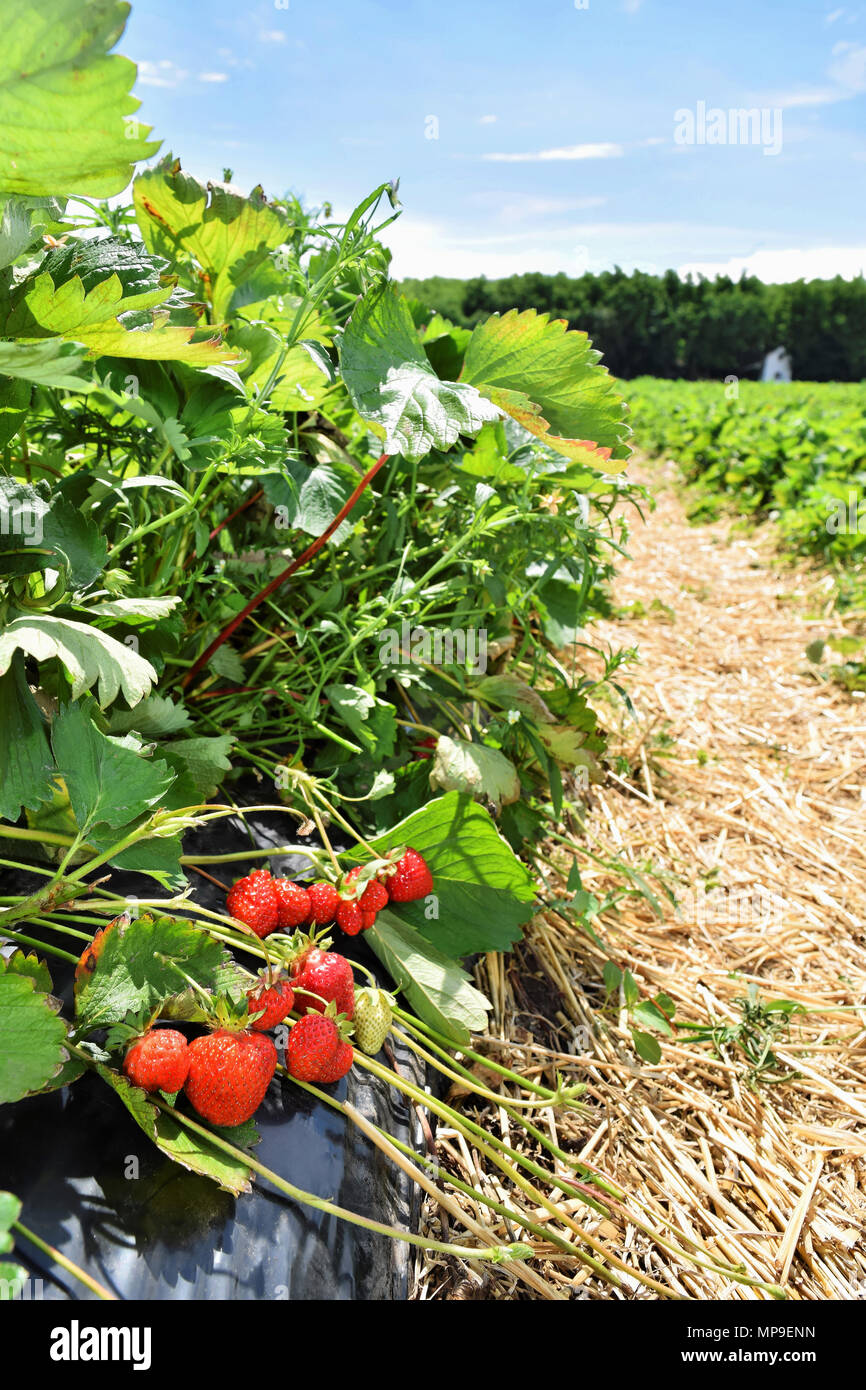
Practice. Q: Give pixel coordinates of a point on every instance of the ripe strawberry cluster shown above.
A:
(226, 1073)
(267, 904)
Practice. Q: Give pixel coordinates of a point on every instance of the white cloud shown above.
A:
(272, 36)
(487, 120)
(424, 247)
(161, 74)
(632, 6)
(847, 73)
(833, 16)
(213, 77)
(850, 68)
(808, 96)
(778, 267)
(519, 208)
(599, 151)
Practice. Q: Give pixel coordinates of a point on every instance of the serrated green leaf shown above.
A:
(19, 963)
(25, 754)
(510, 692)
(31, 1037)
(226, 662)
(312, 497)
(23, 222)
(66, 114)
(304, 376)
(189, 1150)
(475, 769)
(205, 760)
(90, 656)
(50, 532)
(550, 380)
(154, 717)
(108, 785)
(116, 300)
(134, 610)
(229, 236)
(139, 965)
(391, 382)
(437, 988)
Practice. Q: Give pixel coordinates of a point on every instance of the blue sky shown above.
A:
(534, 134)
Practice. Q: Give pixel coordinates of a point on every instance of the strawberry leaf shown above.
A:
(549, 380)
(221, 232)
(90, 656)
(392, 384)
(31, 1036)
(25, 756)
(437, 988)
(141, 964)
(116, 300)
(189, 1150)
(65, 111)
(32, 967)
(108, 785)
(475, 769)
(482, 891)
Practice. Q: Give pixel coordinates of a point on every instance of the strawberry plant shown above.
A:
(259, 510)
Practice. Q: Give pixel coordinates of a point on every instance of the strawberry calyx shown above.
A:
(229, 1014)
(133, 1027)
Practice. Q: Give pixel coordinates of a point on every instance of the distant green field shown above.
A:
(798, 449)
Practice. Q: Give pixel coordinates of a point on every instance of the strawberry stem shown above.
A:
(309, 1199)
(285, 574)
(77, 1273)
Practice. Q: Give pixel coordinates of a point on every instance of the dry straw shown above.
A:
(745, 797)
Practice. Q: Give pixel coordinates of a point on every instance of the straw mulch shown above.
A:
(744, 798)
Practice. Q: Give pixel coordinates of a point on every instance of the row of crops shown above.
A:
(794, 450)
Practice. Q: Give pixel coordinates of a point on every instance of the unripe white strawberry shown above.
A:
(372, 1019)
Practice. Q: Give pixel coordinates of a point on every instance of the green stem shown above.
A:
(80, 1274)
(309, 1199)
(7, 932)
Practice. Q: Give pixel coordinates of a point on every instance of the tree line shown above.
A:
(694, 328)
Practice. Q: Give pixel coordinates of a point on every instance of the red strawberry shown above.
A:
(343, 1059)
(293, 904)
(374, 896)
(324, 901)
(410, 879)
(158, 1061)
(350, 918)
(229, 1074)
(277, 1000)
(311, 1047)
(254, 900)
(367, 920)
(328, 975)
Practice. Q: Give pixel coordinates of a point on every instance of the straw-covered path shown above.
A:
(742, 796)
